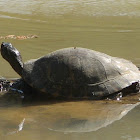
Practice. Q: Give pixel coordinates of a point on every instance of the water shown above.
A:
(109, 26)
(70, 120)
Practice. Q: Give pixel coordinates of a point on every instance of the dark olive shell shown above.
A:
(80, 72)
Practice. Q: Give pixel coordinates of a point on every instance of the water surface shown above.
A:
(109, 26)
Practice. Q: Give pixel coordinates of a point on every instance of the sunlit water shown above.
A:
(109, 26)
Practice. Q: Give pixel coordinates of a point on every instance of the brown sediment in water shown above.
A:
(19, 37)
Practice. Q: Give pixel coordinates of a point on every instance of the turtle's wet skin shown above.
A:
(73, 73)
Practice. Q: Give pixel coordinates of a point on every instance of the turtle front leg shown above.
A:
(12, 86)
(16, 91)
(17, 87)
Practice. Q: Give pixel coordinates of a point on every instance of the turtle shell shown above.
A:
(80, 72)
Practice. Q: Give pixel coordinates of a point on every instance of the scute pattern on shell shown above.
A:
(80, 73)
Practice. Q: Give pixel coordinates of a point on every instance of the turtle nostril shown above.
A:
(2, 44)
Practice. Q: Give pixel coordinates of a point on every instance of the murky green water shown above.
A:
(109, 26)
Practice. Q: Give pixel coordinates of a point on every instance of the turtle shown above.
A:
(75, 73)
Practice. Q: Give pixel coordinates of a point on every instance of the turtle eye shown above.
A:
(2, 44)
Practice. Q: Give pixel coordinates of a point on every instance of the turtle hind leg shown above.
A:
(134, 88)
(130, 90)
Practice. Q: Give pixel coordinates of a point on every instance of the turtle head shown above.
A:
(12, 55)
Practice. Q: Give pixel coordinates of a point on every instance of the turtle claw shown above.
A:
(4, 85)
(138, 86)
(1, 87)
(17, 91)
(119, 96)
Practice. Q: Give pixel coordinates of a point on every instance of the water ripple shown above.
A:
(74, 7)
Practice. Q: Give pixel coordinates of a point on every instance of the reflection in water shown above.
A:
(67, 117)
(20, 127)
(100, 115)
